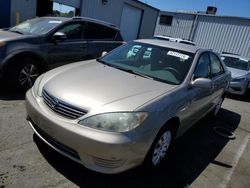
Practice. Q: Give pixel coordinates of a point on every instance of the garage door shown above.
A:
(130, 22)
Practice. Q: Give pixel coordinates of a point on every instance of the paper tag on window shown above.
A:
(55, 21)
(177, 54)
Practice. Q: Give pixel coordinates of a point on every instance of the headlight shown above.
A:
(115, 122)
(36, 85)
(239, 79)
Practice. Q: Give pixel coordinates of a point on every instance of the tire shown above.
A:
(160, 148)
(21, 74)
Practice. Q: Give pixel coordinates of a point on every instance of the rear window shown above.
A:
(237, 63)
(96, 31)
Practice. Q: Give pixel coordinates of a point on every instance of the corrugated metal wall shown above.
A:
(5, 13)
(228, 34)
(26, 9)
(224, 34)
(180, 28)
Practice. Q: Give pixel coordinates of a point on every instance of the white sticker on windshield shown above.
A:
(55, 21)
(177, 54)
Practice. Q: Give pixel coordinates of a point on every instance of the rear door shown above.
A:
(72, 49)
(100, 38)
(218, 76)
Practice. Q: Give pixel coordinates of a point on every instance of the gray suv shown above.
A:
(39, 44)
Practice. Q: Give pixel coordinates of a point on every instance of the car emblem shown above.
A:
(54, 103)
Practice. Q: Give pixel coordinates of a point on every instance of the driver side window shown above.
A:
(202, 69)
(72, 31)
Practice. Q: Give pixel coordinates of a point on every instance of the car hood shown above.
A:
(6, 35)
(237, 72)
(94, 86)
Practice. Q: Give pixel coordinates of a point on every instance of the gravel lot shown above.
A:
(200, 158)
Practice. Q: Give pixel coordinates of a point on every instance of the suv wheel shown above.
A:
(23, 73)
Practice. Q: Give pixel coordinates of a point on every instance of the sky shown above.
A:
(63, 8)
(239, 8)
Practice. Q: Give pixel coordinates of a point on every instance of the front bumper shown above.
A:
(239, 88)
(97, 150)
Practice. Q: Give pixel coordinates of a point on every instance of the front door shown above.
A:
(71, 49)
(198, 100)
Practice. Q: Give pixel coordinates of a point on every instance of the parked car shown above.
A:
(239, 67)
(126, 108)
(39, 44)
(172, 39)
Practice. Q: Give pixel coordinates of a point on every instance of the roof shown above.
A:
(56, 18)
(83, 19)
(95, 21)
(203, 14)
(145, 4)
(175, 45)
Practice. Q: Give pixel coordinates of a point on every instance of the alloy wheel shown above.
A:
(28, 75)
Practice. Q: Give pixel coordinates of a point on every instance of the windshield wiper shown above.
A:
(123, 69)
(102, 61)
(15, 31)
(134, 72)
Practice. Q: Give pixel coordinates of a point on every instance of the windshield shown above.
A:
(237, 63)
(36, 26)
(163, 64)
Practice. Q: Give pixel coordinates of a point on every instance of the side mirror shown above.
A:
(202, 83)
(104, 53)
(59, 36)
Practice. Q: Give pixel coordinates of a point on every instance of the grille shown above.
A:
(61, 107)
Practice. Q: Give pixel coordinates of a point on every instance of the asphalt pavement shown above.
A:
(200, 158)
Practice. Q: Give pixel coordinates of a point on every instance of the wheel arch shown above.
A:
(10, 60)
(173, 122)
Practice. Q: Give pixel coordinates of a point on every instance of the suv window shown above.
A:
(96, 31)
(72, 31)
(216, 67)
(202, 69)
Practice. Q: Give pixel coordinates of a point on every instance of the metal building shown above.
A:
(134, 18)
(10, 11)
(220, 33)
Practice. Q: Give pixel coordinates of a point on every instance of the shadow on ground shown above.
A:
(244, 98)
(190, 155)
(7, 93)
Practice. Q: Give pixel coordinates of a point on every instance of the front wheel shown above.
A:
(23, 74)
(160, 147)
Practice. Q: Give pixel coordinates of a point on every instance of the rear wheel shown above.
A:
(23, 73)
